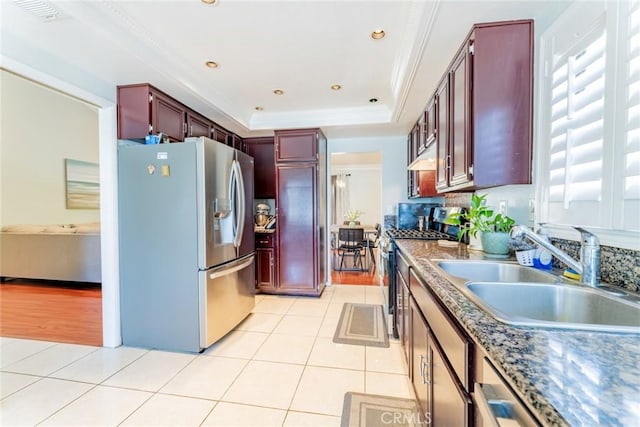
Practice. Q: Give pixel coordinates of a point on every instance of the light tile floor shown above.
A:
(279, 367)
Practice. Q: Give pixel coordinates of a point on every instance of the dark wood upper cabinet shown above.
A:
(430, 122)
(263, 152)
(145, 110)
(483, 120)
(298, 145)
(219, 134)
(459, 142)
(442, 134)
(236, 142)
(198, 125)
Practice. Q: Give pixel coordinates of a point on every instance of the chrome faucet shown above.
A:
(589, 265)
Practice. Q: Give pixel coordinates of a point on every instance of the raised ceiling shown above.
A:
(299, 46)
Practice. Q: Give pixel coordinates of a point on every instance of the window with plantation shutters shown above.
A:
(577, 110)
(632, 143)
(588, 165)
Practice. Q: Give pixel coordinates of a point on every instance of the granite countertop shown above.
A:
(569, 378)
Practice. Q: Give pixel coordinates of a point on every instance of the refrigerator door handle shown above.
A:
(242, 204)
(230, 270)
(233, 200)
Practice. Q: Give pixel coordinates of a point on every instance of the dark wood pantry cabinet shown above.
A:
(300, 208)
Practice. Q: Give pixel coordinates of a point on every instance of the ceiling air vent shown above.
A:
(41, 9)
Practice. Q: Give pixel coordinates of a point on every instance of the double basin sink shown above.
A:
(524, 296)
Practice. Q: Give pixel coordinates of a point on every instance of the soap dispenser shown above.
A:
(542, 258)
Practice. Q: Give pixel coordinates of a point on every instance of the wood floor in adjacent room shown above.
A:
(51, 311)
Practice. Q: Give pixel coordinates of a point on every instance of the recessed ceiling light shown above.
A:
(259, 108)
(336, 87)
(211, 64)
(373, 100)
(278, 91)
(209, 1)
(377, 34)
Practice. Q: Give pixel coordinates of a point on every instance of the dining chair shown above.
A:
(350, 245)
(372, 242)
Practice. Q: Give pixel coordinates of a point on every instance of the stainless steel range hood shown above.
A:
(425, 161)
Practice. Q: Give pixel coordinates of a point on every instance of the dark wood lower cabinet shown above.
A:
(265, 263)
(442, 401)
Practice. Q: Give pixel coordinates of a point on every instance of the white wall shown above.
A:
(40, 128)
(393, 170)
(364, 190)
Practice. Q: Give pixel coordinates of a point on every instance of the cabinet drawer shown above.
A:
(403, 267)
(451, 338)
(264, 240)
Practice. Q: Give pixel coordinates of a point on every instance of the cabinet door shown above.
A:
(297, 235)
(296, 145)
(450, 406)
(442, 134)
(460, 118)
(236, 142)
(167, 116)
(421, 361)
(421, 129)
(430, 122)
(265, 278)
(198, 125)
(262, 151)
(220, 134)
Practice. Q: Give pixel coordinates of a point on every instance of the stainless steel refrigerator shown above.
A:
(186, 243)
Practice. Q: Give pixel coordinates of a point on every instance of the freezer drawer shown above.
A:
(227, 296)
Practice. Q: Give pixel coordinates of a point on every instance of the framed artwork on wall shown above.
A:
(82, 184)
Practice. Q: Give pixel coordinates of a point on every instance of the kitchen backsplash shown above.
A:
(618, 266)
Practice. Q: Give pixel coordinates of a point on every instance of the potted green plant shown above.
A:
(479, 218)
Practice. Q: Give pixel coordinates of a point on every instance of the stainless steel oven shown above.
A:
(437, 230)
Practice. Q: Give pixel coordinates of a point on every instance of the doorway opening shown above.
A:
(50, 214)
(355, 200)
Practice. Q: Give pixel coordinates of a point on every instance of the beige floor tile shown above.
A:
(165, 410)
(388, 385)
(259, 322)
(151, 371)
(232, 414)
(348, 293)
(206, 377)
(39, 400)
(10, 383)
(334, 355)
(265, 384)
(328, 328)
(299, 326)
(309, 307)
(389, 360)
(303, 419)
(274, 305)
(285, 349)
(14, 350)
(373, 295)
(321, 390)
(240, 344)
(101, 406)
(99, 365)
(50, 359)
